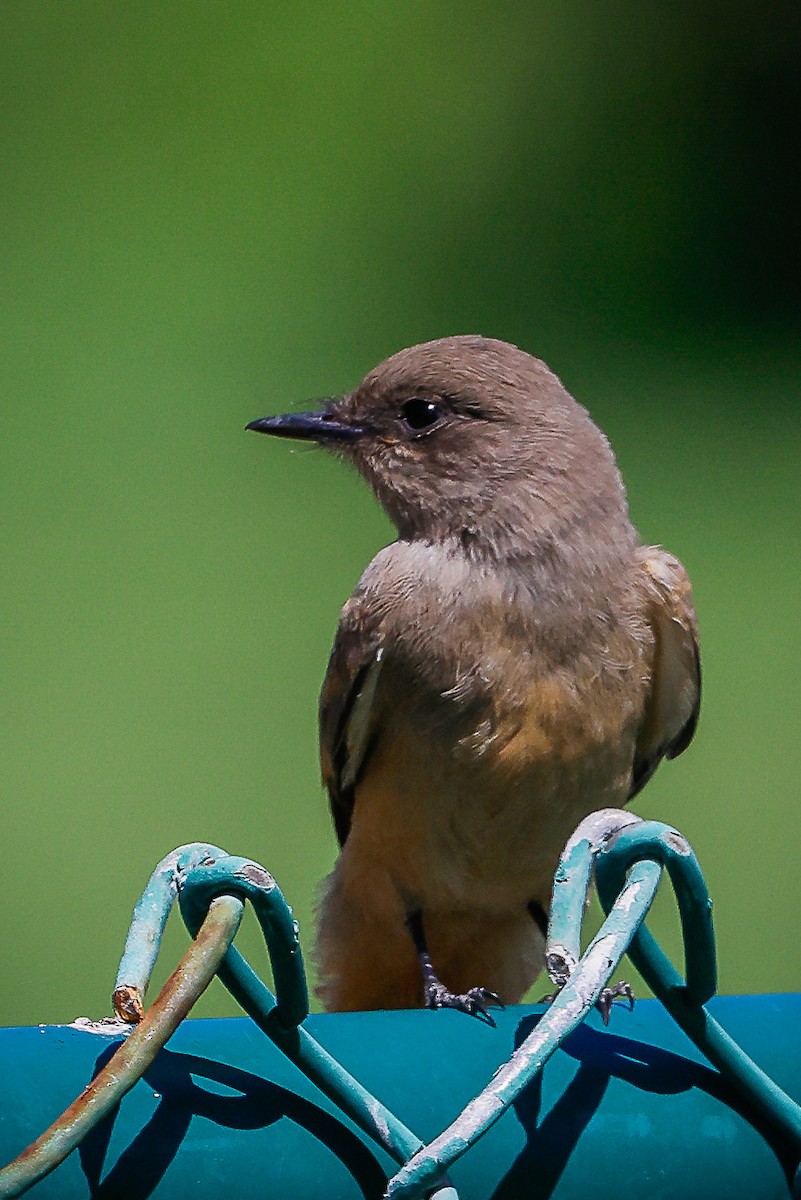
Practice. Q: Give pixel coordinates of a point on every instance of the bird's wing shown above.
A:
(347, 711)
(671, 711)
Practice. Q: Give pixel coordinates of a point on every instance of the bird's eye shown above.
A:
(420, 414)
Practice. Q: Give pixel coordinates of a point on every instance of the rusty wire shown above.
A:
(627, 854)
(132, 1058)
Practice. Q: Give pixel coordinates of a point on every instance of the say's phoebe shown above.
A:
(515, 660)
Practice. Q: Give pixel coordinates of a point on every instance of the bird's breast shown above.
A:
(472, 789)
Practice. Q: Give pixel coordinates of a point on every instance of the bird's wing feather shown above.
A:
(671, 712)
(347, 711)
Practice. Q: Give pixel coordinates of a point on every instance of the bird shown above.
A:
(514, 660)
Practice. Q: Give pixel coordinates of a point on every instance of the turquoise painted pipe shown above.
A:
(631, 1111)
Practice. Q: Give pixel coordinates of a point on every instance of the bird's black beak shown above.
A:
(310, 426)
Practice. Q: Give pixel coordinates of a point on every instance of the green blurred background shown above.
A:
(213, 211)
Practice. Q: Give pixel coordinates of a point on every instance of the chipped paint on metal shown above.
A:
(629, 856)
(597, 828)
(251, 872)
(631, 895)
(377, 1112)
(677, 843)
(560, 964)
(110, 1027)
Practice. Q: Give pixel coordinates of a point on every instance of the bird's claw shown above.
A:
(619, 991)
(474, 1002)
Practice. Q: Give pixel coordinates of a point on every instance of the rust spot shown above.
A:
(127, 1003)
(677, 843)
(253, 873)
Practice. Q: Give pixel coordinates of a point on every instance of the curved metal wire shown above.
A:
(628, 857)
(143, 942)
(130, 1061)
(201, 877)
(576, 997)
(280, 1016)
(685, 998)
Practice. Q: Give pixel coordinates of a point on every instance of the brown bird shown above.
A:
(513, 661)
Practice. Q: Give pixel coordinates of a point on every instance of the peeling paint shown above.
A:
(253, 873)
(376, 1111)
(598, 827)
(105, 1027)
(127, 1002)
(560, 964)
(630, 896)
(677, 843)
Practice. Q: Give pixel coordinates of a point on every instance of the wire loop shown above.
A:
(628, 857)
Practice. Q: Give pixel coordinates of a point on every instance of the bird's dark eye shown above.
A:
(420, 414)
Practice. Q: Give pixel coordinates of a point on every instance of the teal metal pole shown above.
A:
(628, 857)
(684, 997)
(632, 1109)
(104, 1091)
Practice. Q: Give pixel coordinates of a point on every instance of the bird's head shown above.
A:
(469, 438)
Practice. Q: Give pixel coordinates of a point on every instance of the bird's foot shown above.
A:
(618, 991)
(475, 1002)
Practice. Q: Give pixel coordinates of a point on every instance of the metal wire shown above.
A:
(628, 857)
(569, 1008)
(130, 1061)
(685, 998)
(280, 1016)
(143, 942)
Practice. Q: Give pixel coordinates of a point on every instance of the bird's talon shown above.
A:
(473, 1002)
(485, 996)
(619, 991)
